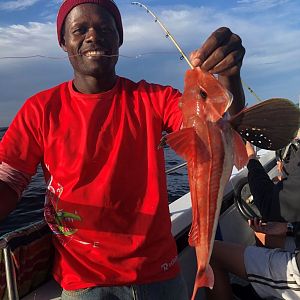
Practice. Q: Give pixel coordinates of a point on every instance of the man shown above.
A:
(273, 273)
(276, 202)
(285, 155)
(96, 137)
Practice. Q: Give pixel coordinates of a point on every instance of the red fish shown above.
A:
(207, 143)
(210, 143)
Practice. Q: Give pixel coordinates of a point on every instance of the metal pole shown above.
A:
(10, 273)
(176, 168)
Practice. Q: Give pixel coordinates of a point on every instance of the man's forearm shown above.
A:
(234, 85)
(8, 200)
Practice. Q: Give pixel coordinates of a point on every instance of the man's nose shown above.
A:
(93, 35)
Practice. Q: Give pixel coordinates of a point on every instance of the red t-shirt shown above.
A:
(106, 200)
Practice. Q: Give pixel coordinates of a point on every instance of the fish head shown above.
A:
(204, 95)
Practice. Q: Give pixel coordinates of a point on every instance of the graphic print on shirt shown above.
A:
(62, 223)
(167, 265)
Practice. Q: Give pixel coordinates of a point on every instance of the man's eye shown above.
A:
(78, 30)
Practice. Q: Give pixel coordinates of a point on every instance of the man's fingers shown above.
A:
(229, 65)
(216, 39)
(195, 59)
(222, 53)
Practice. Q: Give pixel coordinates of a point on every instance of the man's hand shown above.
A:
(222, 53)
(8, 200)
(271, 228)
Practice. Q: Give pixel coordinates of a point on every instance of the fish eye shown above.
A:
(203, 94)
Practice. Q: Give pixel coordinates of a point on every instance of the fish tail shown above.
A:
(206, 279)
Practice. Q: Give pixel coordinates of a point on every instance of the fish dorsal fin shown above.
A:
(185, 142)
(270, 125)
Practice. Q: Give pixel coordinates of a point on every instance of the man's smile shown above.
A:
(94, 53)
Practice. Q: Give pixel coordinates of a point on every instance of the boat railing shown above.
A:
(11, 261)
(27, 247)
(256, 149)
(11, 291)
(176, 168)
(10, 275)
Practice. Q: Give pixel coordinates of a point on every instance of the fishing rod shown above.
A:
(183, 55)
(167, 32)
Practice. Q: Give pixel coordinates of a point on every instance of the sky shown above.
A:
(270, 31)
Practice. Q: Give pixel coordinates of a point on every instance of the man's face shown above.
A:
(89, 33)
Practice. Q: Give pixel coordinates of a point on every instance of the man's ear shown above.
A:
(63, 44)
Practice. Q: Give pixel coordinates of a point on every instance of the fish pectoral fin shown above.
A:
(187, 144)
(270, 125)
(240, 158)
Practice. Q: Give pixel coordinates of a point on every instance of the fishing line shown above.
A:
(167, 33)
(183, 55)
(70, 56)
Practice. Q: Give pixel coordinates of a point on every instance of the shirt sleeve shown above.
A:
(276, 202)
(22, 144)
(172, 114)
(263, 191)
(15, 179)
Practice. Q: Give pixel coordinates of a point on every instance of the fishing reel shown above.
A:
(243, 201)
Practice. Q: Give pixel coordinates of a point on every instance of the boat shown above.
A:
(26, 253)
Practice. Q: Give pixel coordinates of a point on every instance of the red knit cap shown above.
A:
(68, 5)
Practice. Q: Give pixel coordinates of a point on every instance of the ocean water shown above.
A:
(30, 207)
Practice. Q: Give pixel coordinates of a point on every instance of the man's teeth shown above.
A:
(93, 53)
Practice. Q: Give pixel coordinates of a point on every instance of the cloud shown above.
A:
(259, 5)
(17, 4)
(27, 40)
(271, 64)
(267, 42)
(265, 39)
(271, 39)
